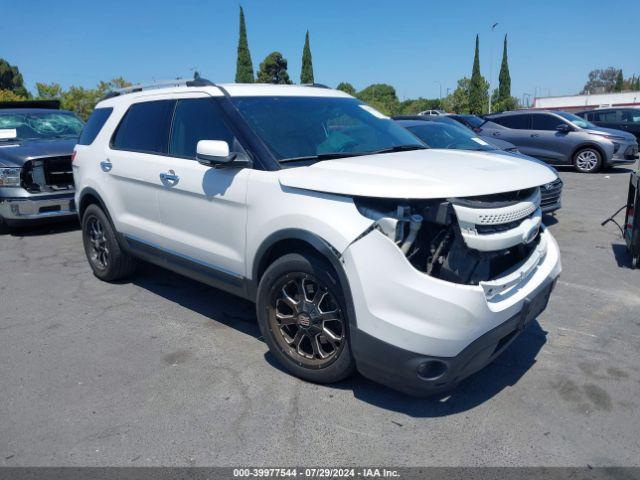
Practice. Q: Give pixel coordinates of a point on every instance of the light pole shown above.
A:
(493, 28)
(440, 85)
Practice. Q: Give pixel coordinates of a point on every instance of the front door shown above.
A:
(203, 209)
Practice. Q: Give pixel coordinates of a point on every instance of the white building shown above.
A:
(574, 103)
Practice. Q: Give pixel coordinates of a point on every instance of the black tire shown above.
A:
(319, 333)
(108, 261)
(4, 228)
(587, 160)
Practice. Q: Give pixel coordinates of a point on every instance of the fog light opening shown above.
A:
(431, 369)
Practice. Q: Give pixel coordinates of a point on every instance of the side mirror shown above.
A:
(564, 128)
(214, 153)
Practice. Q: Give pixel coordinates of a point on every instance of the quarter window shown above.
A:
(198, 119)
(145, 127)
(94, 125)
(520, 122)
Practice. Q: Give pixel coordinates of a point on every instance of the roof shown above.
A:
(31, 104)
(230, 89)
(588, 101)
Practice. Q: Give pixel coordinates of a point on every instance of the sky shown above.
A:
(421, 47)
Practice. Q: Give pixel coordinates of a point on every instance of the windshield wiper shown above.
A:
(323, 156)
(399, 148)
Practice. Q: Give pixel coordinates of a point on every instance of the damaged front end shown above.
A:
(470, 241)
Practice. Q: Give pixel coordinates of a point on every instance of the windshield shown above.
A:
(42, 125)
(473, 120)
(444, 135)
(576, 120)
(309, 128)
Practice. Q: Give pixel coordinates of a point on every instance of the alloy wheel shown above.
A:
(307, 320)
(98, 247)
(587, 160)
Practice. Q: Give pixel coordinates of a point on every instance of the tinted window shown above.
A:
(194, 120)
(521, 122)
(444, 135)
(94, 125)
(145, 127)
(606, 116)
(545, 122)
(631, 116)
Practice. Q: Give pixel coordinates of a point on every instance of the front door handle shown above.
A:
(169, 177)
(106, 165)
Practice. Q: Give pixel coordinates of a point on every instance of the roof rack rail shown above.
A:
(316, 85)
(178, 82)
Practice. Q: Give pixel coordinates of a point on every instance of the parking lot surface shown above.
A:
(162, 370)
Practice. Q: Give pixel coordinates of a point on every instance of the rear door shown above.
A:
(608, 118)
(203, 209)
(631, 121)
(132, 165)
(517, 131)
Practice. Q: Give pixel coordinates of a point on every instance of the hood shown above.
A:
(420, 174)
(497, 142)
(610, 131)
(15, 154)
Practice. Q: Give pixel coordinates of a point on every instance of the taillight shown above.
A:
(73, 156)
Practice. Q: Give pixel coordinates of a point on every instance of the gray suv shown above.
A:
(561, 138)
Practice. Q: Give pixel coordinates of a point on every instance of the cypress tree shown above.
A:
(244, 67)
(306, 75)
(619, 85)
(504, 89)
(476, 85)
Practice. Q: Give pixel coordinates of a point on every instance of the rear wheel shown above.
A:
(108, 261)
(302, 316)
(587, 160)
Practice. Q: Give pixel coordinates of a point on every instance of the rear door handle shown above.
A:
(169, 177)
(106, 165)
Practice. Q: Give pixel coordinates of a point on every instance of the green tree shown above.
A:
(273, 69)
(601, 81)
(619, 85)
(244, 66)
(417, 105)
(11, 79)
(458, 100)
(478, 86)
(10, 96)
(347, 88)
(80, 100)
(504, 88)
(113, 84)
(48, 91)
(306, 75)
(382, 97)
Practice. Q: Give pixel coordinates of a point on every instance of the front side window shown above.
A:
(541, 121)
(198, 119)
(519, 122)
(576, 120)
(307, 128)
(42, 125)
(145, 127)
(631, 116)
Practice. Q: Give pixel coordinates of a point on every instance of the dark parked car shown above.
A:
(443, 132)
(627, 119)
(562, 138)
(36, 180)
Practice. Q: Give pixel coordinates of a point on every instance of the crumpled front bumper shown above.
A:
(405, 318)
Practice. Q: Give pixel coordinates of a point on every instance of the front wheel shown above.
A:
(587, 160)
(303, 319)
(4, 228)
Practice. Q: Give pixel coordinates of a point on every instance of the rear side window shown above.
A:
(94, 125)
(194, 120)
(545, 122)
(606, 116)
(520, 122)
(145, 127)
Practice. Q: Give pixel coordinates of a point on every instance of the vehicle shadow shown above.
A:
(549, 219)
(45, 229)
(229, 310)
(217, 305)
(621, 254)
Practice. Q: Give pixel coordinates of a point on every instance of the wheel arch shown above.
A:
(299, 241)
(593, 145)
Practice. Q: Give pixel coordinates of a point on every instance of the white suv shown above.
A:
(362, 248)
